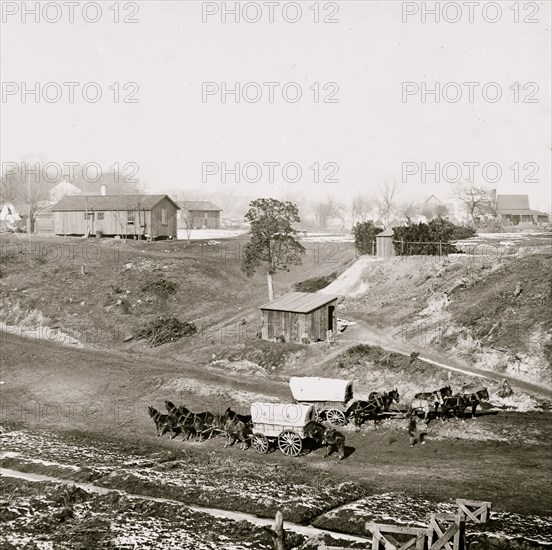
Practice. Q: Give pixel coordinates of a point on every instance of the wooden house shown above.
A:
(129, 216)
(515, 208)
(198, 215)
(299, 317)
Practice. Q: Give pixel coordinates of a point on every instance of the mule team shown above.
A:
(237, 427)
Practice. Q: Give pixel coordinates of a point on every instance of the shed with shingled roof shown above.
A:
(299, 317)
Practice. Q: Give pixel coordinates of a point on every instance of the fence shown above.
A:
(443, 532)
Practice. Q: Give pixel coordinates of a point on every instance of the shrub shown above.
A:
(315, 284)
(431, 238)
(41, 256)
(461, 232)
(165, 329)
(365, 237)
(494, 225)
(160, 287)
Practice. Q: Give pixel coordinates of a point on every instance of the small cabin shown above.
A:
(129, 216)
(299, 317)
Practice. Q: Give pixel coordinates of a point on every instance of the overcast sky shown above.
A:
(368, 133)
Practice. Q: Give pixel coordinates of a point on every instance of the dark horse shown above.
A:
(377, 403)
(245, 418)
(189, 422)
(328, 437)
(455, 405)
(428, 401)
(236, 430)
(163, 422)
(386, 398)
(476, 398)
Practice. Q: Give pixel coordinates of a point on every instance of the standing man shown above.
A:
(415, 435)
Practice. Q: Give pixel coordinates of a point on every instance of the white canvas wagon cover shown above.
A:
(289, 414)
(306, 388)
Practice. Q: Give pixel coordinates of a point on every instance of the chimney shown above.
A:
(103, 189)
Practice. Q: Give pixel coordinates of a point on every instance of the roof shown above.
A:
(193, 206)
(435, 199)
(281, 414)
(306, 388)
(523, 212)
(299, 302)
(512, 202)
(82, 203)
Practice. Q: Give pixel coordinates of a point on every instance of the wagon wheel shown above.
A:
(290, 443)
(260, 443)
(335, 417)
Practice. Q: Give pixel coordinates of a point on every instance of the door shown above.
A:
(331, 317)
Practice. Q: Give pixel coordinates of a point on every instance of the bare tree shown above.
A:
(326, 210)
(34, 196)
(185, 216)
(386, 199)
(476, 199)
(407, 210)
(8, 189)
(361, 208)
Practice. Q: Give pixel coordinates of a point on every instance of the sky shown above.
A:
(373, 62)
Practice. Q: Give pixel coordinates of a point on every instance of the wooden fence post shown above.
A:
(447, 532)
(277, 533)
(477, 511)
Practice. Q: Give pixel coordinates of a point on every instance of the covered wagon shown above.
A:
(331, 397)
(280, 423)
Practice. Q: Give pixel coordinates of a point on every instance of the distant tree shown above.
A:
(476, 199)
(361, 208)
(407, 210)
(8, 189)
(34, 196)
(432, 211)
(386, 200)
(274, 240)
(326, 210)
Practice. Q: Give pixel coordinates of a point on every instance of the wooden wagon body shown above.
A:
(284, 423)
(331, 397)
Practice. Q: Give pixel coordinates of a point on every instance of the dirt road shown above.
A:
(362, 333)
(106, 394)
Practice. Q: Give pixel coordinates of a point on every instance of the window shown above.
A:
(89, 215)
(130, 217)
(164, 216)
(100, 216)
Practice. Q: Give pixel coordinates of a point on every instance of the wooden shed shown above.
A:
(198, 215)
(384, 244)
(133, 216)
(299, 317)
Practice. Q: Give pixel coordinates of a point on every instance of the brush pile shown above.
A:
(160, 287)
(165, 329)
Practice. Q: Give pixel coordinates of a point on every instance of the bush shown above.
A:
(365, 237)
(461, 232)
(432, 239)
(165, 329)
(160, 287)
(315, 284)
(494, 225)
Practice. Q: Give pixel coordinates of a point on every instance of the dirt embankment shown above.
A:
(493, 315)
